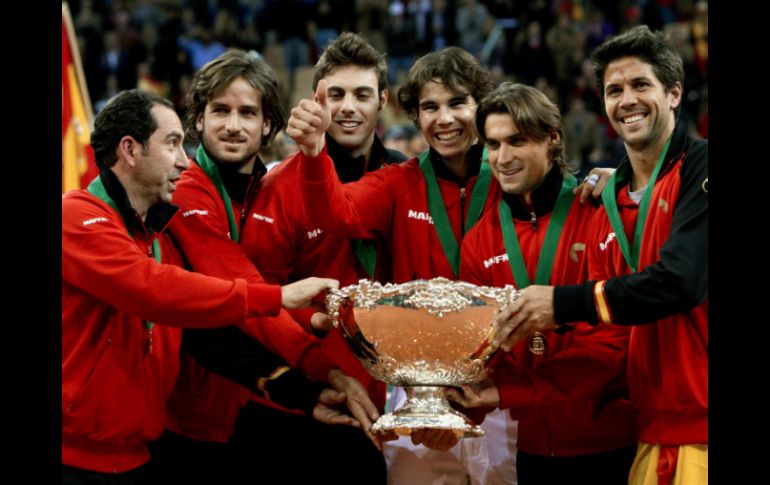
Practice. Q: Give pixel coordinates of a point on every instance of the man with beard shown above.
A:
(233, 108)
(648, 261)
(286, 246)
(569, 398)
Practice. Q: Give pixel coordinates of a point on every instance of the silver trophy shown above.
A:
(423, 335)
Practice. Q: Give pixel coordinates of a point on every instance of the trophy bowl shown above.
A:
(423, 335)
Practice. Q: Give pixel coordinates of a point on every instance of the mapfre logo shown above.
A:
(88, 222)
(420, 216)
(195, 211)
(603, 245)
(260, 217)
(500, 258)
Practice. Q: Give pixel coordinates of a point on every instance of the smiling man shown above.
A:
(648, 260)
(286, 245)
(233, 108)
(124, 295)
(422, 208)
(575, 423)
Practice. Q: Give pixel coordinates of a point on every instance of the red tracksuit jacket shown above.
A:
(667, 358)
(286, 246)
(204, 405)
(390, 203)
(572, 400)
(114, 389)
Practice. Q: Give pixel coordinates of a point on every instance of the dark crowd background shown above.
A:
(157, 45)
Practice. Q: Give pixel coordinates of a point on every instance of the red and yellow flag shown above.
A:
(78, 166)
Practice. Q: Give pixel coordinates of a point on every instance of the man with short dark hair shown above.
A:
(286, 245)
(422, 208)
(124, 296)
(648, 262)
(568, 395)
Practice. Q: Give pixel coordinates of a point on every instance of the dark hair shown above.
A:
(653, 48)
(126, 114)
(455, 68)
(216, 75)
(534, 114)
(350, 49)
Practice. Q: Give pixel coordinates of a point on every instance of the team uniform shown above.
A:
(203, 408)
(285, 246)
(571, 402)
(392, 204)
(666, 301)
(118, 367)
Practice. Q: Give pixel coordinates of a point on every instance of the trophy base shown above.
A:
(426, 407)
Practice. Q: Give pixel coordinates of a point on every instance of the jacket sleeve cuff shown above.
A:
(263, 300)
(316, 364)
(303, 316)
(514, 396)
(574, 303)
(290, 389)
(315, 169)
(476, 415)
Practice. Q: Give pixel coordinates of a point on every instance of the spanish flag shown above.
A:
(78, 166)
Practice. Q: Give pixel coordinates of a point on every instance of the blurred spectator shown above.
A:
(331, 17)
(469, 23)
(148, 81)
(441, 30)
(597, 30)
(278, 150)
(700, 36)
(582, 136)
(287, 24)
(397, 138)
(401, 37)
(561, 39)
(534, 60)
(201, 46)
(372, 19)
(546, 88)
(128, 44)
(417, 144)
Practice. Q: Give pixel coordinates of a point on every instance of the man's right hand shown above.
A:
(359, 404)
(593, 184)
(327, 409)
(320, 323)
(434, 438)
(474, 396)
(300, 293)
(309, 121)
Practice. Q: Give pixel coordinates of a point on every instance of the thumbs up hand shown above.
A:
(309, 121)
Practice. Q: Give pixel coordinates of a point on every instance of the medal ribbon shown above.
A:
(96, 187)
(438, 211)
(552, 235)
(212, 171)
(620, 177)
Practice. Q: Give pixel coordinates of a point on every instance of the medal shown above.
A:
(536, 343)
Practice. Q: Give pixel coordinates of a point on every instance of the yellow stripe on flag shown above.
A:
(75, 140)
(78, 166)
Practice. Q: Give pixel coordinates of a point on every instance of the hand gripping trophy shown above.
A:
(423, 335)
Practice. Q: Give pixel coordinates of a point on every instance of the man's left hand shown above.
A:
(531, 312)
